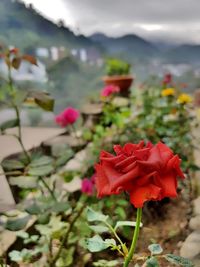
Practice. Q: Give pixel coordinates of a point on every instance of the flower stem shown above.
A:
(135, 238)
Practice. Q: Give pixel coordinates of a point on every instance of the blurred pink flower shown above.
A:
(109, 90)
(167, 79)
(87, 186)
(67, 116)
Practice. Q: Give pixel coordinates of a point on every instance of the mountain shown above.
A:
(187, 53)
(129, 47)
(24, 27)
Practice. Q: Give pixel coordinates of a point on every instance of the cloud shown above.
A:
(172, 20)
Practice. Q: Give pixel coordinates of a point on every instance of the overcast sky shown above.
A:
(177, 20)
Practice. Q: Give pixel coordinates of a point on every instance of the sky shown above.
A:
(171, 20)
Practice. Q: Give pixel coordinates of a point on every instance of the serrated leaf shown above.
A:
(18, 224)
(60, 207)
(177, 260)
(41, 170)
(99, 228)
(62, 159)
(9, 124)
(41, 161)
(95, 216)
(11, 164)
(155, 249)
(126, 223)
(96, 244)
(152, 262)
(28, 182)
(33, 209)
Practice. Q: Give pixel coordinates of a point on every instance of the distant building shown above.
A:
(90, 55)
(42, 52)
(26, 72)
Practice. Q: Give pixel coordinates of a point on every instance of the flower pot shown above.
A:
(122, 81)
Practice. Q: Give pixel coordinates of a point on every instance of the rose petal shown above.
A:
(145, 193)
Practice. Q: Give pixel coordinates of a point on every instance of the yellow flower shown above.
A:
(168, 92)
(184, 99)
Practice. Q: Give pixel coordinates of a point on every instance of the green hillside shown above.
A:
(71, 83)
(25, 28)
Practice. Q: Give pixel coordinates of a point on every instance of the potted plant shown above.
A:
(118, 74)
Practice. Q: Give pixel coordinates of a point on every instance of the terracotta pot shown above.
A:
(123, 82)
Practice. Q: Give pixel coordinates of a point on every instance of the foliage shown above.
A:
(117, 67)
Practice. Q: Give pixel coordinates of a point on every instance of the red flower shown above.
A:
(146, 172)
(68, 116)
(109, 90)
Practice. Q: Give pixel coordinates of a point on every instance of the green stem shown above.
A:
(135, 238)
(48, 188)
(115, 234)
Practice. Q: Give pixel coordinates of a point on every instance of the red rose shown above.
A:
(146, 172)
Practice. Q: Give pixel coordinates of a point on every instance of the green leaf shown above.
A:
(95, 216)
(122, 202)
(18, 224)
(99, 228)
(177, 260)
(120, 212)
(66, 258)
(15, 256)
(41, 170)
(22, 234)
(11, 164)
(9, 124)
(111, 242)
(24, 181)
(43, 100)
(62, 159)
(33, 209)
(152, 262)
(96, 244)
(44, 218)
(41, 161)
(126, 223)
(60, 207)
(155, 249)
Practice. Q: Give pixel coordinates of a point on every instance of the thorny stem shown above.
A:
(65, 238)
(135, 238)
